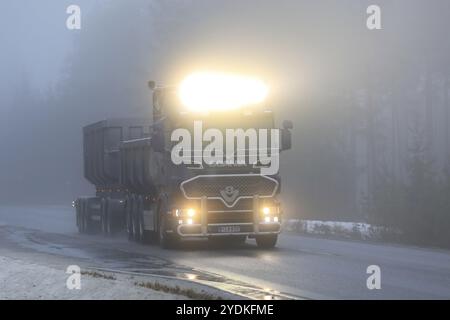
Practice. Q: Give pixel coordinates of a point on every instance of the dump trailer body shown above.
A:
(141, 169)
(101, 142)
(102, 167)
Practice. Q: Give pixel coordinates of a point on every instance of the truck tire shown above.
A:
(109, 217)
(166, 241)
(79, 213)
(139, 220)
(129, 218)
(92, 207)
(104, 216)
(153, 236)
(85, 217)
(88, 225)
(134, 218)
(267, 241)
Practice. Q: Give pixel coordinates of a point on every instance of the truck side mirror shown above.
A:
(287, 124)
(151, 84)
(286, 135)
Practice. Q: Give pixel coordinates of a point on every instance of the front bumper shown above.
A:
(247, 229)
(205, 228)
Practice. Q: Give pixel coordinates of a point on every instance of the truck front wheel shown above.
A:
(267, 241)
(166, 240)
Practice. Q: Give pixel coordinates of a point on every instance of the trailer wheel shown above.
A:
(134, 219)
(109, 217)
(84, 217)
(267, 241)
(104, 216)
(89, 226)
(129, 218)
(139, 218)
(79, 214)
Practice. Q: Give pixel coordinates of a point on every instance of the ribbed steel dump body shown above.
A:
(101, 142)
(142, 169)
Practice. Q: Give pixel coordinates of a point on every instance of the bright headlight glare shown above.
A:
(190, 212)
(215, 91)
(266, 210)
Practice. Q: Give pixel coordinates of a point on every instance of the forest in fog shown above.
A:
(371, 138)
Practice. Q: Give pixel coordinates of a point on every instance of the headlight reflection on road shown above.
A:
(191, 276)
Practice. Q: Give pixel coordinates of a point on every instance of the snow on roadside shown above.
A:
(351, 230)
(24, 280)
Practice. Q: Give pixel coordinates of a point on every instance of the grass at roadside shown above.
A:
(190, 293)
(98, 275)
(157, 286)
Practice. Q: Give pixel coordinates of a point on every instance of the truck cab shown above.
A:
(218, 199)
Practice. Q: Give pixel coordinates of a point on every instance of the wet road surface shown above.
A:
(300, 267)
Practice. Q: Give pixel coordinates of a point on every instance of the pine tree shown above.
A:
(422, 205)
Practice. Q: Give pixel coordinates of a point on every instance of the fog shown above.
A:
(368, 106)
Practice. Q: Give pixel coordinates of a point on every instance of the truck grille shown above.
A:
(218, 205)
(230, 217)
(229, 188)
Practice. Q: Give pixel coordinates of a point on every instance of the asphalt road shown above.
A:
(301, 267)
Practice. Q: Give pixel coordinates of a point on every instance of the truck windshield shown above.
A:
(229, 120)
(223, 121)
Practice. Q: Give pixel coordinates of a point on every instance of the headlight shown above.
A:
(266, 210)
(214, 91)
(190, 212)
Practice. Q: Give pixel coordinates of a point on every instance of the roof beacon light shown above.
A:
(215, 91)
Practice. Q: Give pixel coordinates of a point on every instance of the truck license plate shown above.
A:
(229, 229)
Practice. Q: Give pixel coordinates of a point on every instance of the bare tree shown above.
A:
(429, 112)
(446, 108)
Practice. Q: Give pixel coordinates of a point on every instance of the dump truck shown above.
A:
(140, 189)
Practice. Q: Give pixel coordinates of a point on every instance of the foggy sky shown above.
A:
(314, 55)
